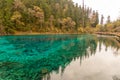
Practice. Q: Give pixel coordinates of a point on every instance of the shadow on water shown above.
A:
(35, 57)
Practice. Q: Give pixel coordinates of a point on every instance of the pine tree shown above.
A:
(102, 20)
(108, 19)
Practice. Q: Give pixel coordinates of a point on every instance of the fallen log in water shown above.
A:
(117, 34)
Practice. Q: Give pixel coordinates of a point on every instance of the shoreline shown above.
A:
(52, 33)
(37, 33)
(116, 34)
(44, 33)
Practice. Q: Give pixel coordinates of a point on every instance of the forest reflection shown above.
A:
(86, 47)
(39, 56)
(108, 41)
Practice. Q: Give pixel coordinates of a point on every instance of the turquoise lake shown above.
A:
(59, 57)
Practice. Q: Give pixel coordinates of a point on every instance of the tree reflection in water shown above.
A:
(35, 57)
(109, 41)
(116, 78)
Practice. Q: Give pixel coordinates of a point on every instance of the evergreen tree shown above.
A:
(102, 20)
(38, 15)
(94, 19)
(108, 19)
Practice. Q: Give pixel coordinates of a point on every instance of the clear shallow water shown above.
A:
(59, 57)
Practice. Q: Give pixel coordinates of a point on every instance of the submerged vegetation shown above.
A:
(35, 57)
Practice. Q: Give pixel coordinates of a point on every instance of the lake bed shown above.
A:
(59, 57)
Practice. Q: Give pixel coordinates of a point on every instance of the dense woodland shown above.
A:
(56, 16)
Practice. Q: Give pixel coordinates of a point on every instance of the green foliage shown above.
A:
(110, 26)
(94, 19)
(45, 15)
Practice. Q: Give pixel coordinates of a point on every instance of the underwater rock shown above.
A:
(10, 64)
(26, 50)
(44, 71)
(1, 52)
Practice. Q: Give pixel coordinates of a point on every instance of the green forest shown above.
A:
(52, 16)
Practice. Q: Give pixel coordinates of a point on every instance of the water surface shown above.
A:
(59, 57)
